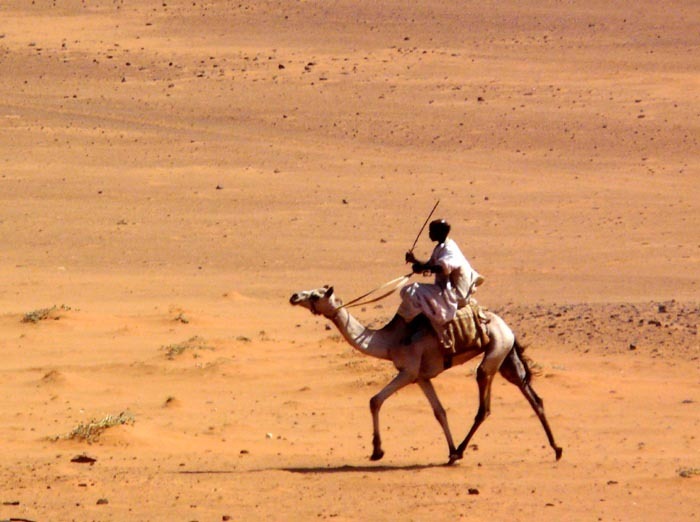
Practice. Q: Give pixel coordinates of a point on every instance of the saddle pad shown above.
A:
(466, 331)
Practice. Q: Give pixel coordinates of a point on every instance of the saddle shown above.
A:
(467, 331)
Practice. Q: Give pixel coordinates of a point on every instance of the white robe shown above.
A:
(453, 286)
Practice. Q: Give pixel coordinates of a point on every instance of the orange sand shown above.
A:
(170, 172)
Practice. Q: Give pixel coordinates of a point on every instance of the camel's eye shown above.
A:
(314, 298)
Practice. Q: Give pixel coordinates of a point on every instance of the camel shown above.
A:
(420, 359)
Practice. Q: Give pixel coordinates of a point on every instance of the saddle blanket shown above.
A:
(468, 330)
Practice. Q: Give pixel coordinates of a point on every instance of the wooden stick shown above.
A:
(423, 227)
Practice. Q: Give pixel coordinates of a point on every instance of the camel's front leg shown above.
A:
(402, 379)
(439, 412)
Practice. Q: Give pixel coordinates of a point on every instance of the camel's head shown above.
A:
(320, 301)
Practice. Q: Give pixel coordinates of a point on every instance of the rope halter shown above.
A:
(393, 285)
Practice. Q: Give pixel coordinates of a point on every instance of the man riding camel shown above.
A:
(455, 282)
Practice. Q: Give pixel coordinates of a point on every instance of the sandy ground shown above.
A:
(170, 172)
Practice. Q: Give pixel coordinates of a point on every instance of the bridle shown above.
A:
(393, 285)
(312, 306)
(314, 309)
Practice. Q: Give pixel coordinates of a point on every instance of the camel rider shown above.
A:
(455, 281)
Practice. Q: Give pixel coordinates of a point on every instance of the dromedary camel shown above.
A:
(422, 359)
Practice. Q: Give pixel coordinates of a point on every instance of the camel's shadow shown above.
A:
(310, 470)
(361, 469)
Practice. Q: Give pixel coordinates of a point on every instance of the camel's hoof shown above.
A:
(454, 457)
(377, 455)
(558, 451)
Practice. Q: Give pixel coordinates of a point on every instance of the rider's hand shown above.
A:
(417, 268)
(410, 258)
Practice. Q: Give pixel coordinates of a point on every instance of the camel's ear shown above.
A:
(329, 292)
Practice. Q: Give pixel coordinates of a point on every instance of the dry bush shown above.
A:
(92, 430)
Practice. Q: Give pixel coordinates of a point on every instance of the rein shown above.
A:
(394, 285)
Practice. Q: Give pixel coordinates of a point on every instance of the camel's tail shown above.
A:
(525, 360)
(517, 368)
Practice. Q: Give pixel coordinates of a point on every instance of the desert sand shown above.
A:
(172, 171)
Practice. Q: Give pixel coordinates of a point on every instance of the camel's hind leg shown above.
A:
(495, 353)
(402, 379)
(484, 378)
(516, 371)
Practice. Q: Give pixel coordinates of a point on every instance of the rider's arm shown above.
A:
(419, 268)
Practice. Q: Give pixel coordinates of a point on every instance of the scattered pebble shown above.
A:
(83, 459)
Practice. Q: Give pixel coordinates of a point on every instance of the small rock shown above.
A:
(83, 459)
(102, 501)
(473, 491)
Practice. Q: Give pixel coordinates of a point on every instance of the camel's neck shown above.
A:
(366, 340)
